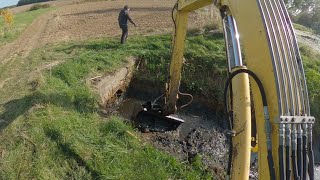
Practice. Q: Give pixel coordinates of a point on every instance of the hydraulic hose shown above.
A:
(266, 115)
(311, 155)
(294, 164)
(175, 7)
(288, 143)
(294, 153)
(230, 157)
(305, 152)
(280, 151)
(281, 162)
(299, 151)
(230, 119)
(288, 169)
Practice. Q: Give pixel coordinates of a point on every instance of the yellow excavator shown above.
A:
(270, 79)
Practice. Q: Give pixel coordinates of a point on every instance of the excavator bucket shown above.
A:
(151, 119)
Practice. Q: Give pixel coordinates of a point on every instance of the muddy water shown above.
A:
(202, 135)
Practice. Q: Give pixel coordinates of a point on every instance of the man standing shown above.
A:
(123, 22)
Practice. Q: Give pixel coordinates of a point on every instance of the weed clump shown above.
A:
(39, 6)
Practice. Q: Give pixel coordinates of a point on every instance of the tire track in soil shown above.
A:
(308, 39)
(26, 42)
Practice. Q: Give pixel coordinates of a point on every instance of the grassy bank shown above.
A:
(302, 28)
(311, 60)
(21, 22)
(53, 130)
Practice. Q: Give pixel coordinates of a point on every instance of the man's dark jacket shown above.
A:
(124, 17)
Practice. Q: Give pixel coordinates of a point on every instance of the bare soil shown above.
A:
(99, 19)
(309, 39)
(75, 20)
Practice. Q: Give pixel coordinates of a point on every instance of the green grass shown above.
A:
(204, 67)
(21, 22)
(54, 130)
(311, 60)
(302, 28)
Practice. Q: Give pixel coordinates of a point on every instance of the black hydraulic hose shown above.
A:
(311, 162)
(294, 164)
(311, 155)
(287, 154)
(230, 158)
(281, 162)
(254, 76)
(230, 123)
(288, 169)
(266, 114)
(271, 165)
(175, 7)
(305, 161)
(282, 132)
(299, 154)
(294, 152)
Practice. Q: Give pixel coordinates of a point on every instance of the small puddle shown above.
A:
(130, 107)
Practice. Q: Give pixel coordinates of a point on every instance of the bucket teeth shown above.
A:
(152, 119)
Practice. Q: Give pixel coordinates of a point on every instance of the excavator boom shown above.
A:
(272, 72)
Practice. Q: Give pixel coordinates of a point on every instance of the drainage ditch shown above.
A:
(201, 136)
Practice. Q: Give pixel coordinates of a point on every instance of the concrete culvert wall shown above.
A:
(112, 87)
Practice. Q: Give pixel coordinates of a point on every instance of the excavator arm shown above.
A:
(272, 70)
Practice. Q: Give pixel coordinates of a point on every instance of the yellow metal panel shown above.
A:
(191, 5)
(258, 59)
(176, 61)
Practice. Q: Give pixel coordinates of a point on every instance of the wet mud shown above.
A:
(202, 135)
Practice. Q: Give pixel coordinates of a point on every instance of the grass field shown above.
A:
(21, 22)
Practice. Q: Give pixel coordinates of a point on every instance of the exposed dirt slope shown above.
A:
(309, 39)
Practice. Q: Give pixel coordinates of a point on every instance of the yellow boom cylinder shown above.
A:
(242, 126)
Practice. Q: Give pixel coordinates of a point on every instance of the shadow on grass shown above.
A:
(98, 46)
(19, 107)
(13, 109)
(116, 45)
(69, 152)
